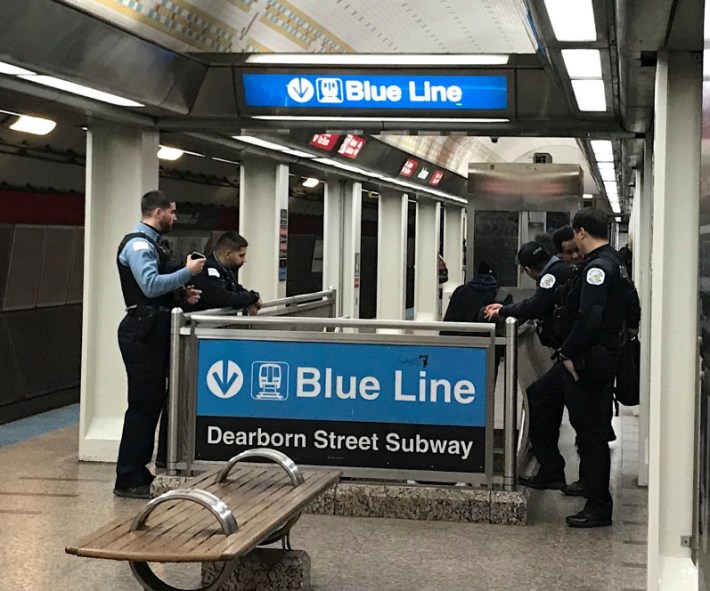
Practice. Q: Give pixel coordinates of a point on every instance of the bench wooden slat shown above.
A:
(185, 532)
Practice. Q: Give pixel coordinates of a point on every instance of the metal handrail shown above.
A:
(293, 471)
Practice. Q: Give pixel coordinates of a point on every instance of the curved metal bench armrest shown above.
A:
(282, 459)
(202, 497)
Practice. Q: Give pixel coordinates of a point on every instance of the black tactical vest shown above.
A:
(132, 293)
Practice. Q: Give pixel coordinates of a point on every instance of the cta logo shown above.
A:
(225, 379)
(300, 90)
(330, 90)
(269, 380)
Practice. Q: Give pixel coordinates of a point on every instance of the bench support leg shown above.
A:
(265, 569)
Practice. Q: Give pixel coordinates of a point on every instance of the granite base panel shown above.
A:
(265, 569)
(399, 501)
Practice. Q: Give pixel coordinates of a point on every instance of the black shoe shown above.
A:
(587, 519)
(161, 464)
(539, 482)
(576, 489)
(133, 492)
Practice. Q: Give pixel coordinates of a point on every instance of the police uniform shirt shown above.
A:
(542, 302)
(142, 258)
(602, 304)
(220, 288)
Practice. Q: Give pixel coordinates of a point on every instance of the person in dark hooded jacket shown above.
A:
(469, 301)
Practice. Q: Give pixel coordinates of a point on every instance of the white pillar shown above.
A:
(674, 318)
(263, 221)
(333, 219)
(426, 262)
(352, 260)
(454, 232)
(391, 254)
(121, 165)
(642, 248)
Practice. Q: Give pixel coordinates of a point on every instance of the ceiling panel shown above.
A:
(335, 26)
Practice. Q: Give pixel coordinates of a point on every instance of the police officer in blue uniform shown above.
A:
(218, 280)
(148, 289)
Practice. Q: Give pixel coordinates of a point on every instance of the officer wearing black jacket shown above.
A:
(548, 272)
(148, 287)
(584, 374)
(218, 282)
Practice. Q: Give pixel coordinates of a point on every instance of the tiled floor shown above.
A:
(48, 499)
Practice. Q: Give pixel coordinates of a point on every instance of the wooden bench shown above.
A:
(253, 504)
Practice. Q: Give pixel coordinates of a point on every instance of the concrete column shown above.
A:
(263, 221)
(391, 254)
(426, 263)
(333, 219)
(642, 248)
(674, 320)
(352, 260)
(121, 165)
(454, 232)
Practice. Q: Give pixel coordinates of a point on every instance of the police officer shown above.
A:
(585, 370)
(144, 337)
(548, 272)
(218, 281)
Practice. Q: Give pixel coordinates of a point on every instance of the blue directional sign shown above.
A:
(342, 382)
(416, 92)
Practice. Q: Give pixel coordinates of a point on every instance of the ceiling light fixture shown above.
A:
(607, 174)
(590, 95)
(81, 90)
(587, 196)
(602, 147)
(310, 182)
(10, 70)
(376, 59)
(572, 20)
(225, 160)
(347, 167)
(583, 63)
(34, 125)
(376, 119)
(167, 153)
(249, 139)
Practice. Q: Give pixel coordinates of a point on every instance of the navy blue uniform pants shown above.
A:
(144, 341)
(588, 404)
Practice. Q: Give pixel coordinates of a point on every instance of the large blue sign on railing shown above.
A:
(379, 405)
(340, 92)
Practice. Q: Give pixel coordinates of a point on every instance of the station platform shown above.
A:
(48, 499)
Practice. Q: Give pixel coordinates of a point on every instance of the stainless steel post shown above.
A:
(510, 467)
(177, 320)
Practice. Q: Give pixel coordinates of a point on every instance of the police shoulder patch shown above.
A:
(595, 276)
(140, 245)
(548, 281)
(212, 272)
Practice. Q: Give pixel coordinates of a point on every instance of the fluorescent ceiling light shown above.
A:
(590, 95)
(611, 187)
(225, 160)
(35, 125)
(606, 166)
(572, 20)
(166, 153)
(615, 207)
(604, 158)
(583, 63)
(193, 153)
(587, 196)
(397, 119)
(608, 175)
(310, 182)
(375, 59)
(11, 70)
(91, 93)
(602, 147)
(347, 167)
(249, 139)
(617, 219)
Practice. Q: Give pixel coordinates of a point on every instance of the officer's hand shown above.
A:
(491, 311)
(252, 310)
(195, 265)
(569, 366)
(192, 294)
(258, 304)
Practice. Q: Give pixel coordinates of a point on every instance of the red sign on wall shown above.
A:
(409, 167)
(435, 178)
(324, 141)
(352, 146)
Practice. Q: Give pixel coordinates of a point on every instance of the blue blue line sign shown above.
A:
(376, 92)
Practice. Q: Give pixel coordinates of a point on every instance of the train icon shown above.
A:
(269, 380)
